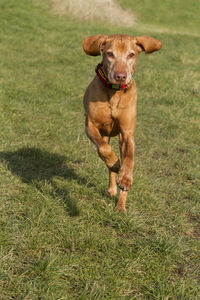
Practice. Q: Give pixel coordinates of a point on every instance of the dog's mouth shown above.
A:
(120, 82)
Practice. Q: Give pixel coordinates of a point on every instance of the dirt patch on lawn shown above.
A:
(95, 10)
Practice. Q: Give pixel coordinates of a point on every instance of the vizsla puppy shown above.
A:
(110, 104)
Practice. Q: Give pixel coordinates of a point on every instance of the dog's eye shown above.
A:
(131, 55)
(110, 54)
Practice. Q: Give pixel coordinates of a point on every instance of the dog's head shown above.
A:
(120, 53)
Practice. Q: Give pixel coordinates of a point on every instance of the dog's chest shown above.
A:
(115, 104)
(106, 115)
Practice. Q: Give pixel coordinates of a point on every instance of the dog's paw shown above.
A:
(120, 208)
(124, 181)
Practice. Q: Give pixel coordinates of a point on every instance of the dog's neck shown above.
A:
(104, 78)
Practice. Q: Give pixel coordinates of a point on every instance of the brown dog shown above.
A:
(110, 103)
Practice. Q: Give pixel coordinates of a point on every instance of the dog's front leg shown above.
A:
(104, 150)
(127, 148)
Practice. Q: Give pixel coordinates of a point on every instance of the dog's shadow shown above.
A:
(34, 166)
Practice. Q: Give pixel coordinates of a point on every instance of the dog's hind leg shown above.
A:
(121, 204)
(112, 187)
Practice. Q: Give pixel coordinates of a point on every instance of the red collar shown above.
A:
(103, 77)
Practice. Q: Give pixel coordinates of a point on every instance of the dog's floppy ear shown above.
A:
(93, 45)
(148, 44)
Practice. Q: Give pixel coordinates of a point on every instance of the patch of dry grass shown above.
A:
(101, 10)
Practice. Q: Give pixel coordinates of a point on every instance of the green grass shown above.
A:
(59, 236)
(174, 16)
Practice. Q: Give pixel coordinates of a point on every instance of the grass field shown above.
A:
(59, 236)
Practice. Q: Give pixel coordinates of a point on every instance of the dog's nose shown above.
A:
(120, 76)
